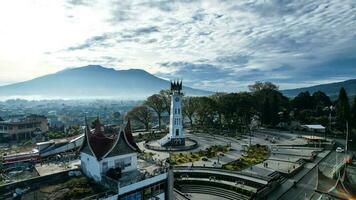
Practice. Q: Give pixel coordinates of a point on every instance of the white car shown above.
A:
(339, 150)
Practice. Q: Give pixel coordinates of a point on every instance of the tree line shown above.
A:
(264, 103)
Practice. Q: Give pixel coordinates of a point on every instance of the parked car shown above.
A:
(339, 150)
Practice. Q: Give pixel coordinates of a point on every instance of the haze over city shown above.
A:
(212, 45)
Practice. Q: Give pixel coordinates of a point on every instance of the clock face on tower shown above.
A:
(176, 99)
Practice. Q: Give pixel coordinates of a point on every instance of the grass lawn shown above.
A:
(180, 158)
(255, 154)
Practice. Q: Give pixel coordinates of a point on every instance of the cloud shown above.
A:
(193, 72)
(211, 44)
(124, 36)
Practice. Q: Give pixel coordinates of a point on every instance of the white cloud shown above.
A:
(242, 41)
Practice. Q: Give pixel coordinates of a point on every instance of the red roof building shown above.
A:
(101, 152)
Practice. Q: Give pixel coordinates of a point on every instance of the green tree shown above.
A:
(269, 102)
(206, 110)
(228, 106)
(258, 86)
(303, 101)
(342, 109)
(157, 104)
(218, 97)
(353, 114)
(190, 105)
(166, 97)
(141, 114)
(320, 101)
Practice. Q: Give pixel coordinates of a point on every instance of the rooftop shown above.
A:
(101, 145)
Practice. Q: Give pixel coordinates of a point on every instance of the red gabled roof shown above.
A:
(101, 145)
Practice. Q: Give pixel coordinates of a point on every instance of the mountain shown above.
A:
(331, 89)
(95, 82)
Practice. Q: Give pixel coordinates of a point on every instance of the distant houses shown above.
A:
(23, 128)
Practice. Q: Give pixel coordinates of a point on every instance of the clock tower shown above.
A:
(175, 136)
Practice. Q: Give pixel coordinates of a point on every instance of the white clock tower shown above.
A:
(175, 136)
(175, 118)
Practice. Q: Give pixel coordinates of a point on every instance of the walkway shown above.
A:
(283, 189)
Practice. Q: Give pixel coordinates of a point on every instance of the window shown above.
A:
(177, 132)
(123, 163)
(119, 164)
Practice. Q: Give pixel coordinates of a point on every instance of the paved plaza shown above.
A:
(283, 158)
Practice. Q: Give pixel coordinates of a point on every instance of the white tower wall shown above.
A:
(176, 117)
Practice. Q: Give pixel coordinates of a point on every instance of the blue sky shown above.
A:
(215, 45)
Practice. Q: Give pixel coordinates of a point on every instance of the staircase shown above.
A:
(178, 195)
(274, 174)
(214, 191)
(163, 141)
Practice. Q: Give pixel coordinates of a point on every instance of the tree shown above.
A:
(218, 97)
(342, 109)
(190, 106)
(141, 114)
(157, 104)
(265, 112)
(258, 86)
(303, 101)
(353, 114)
(206, 110)
(166, 97)
(320, 101)
(229, 107)
(268, 104)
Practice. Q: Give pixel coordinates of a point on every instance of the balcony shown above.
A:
(133, 180)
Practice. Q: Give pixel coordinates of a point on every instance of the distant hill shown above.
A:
(331, 89)
(94, 82)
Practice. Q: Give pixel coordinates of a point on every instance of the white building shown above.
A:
(175, 137)
(112, 161)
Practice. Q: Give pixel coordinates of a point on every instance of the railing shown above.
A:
(265, 178)
(110, 183)
(120, 183)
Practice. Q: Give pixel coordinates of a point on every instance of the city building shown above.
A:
(22, 128)
(175, 137)
(113, 162)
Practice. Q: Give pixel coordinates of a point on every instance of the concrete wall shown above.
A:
(93, 168)
(142, 184)
(90, 166)
(176, 119)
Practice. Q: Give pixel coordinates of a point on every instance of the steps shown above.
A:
(274, 174)
(163, 141)
(178, 195)
(211, 190)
